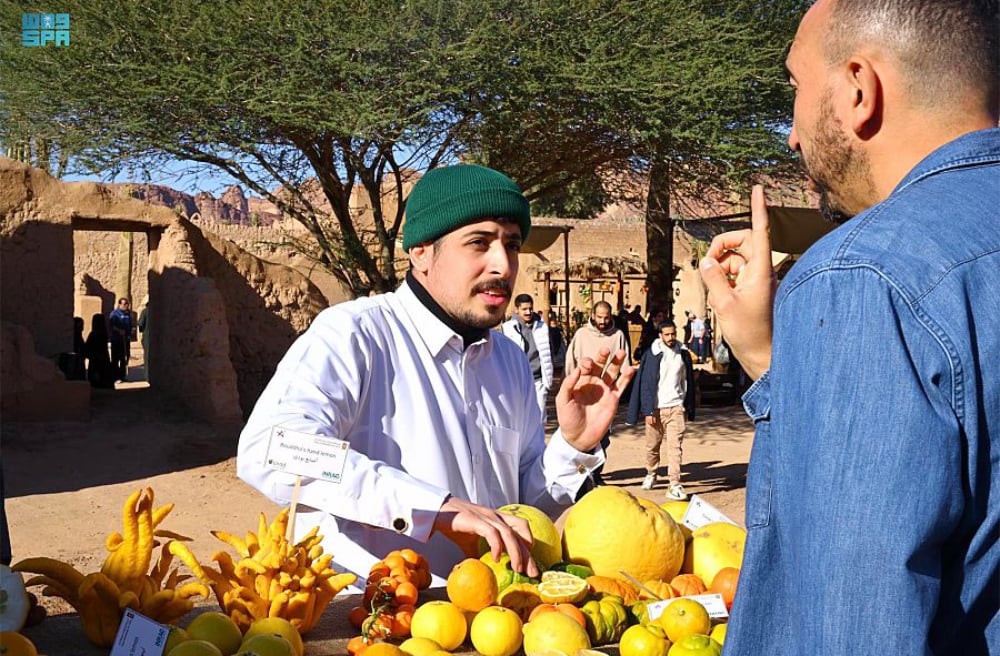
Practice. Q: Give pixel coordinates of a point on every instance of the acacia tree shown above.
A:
(277, 93)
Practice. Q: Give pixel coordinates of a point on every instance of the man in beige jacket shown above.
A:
(600, 332)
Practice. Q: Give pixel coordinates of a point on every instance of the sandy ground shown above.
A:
(66, 482)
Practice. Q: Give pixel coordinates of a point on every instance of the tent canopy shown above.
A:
(793, 229)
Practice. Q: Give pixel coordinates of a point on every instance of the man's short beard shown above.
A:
(837, 165)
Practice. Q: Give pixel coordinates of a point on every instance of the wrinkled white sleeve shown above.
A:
(318, 389)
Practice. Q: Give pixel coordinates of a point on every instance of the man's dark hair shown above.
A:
(944, 48)
(601, 304)
(523, 298)
(666, 323)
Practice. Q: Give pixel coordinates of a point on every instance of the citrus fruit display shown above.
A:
(496, 631)
(607, 619)
(683, 618)
(176, 636)
(218, 629)
(713, 547)
(384, 649)
(441, 621)
(562, 588)
(277, 626)
(522, 598)
(554, 631)
(607, 585)
(472, 585)
(644, 641)
(546, 547)
(609, 531)
(696, 645)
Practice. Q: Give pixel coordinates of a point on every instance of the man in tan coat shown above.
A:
(600, 332)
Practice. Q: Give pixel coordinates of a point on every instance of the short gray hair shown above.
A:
(944, 48)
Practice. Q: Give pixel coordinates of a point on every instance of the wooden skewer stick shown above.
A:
(640, 585)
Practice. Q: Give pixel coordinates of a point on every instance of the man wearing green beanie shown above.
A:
(434, 413)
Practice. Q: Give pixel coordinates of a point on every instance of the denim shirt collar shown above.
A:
(969, 149)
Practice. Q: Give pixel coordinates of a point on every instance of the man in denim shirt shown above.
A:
(873, 496)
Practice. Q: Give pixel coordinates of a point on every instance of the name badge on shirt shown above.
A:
(309, 456)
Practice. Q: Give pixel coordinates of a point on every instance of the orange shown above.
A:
(496, 631)
(384, 649)
(472, 585)
(643, 641)
(683, 618)
(724, 584)
(522, 598)
(15, 644)
(441, 621)
(687, 585)
(565, 609)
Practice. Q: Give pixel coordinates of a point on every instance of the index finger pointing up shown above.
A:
(760, 236)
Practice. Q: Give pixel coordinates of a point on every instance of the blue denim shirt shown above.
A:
(873, 495)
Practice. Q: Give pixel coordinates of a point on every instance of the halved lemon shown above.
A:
(562, 588)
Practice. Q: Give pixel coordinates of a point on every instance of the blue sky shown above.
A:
(181, 175)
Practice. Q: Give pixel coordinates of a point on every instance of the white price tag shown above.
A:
(309, 456)
(712, 602)
(700, 512)
(139, 636)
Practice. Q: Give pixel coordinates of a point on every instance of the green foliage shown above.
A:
(325, 98)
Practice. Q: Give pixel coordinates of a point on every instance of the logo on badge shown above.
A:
(39, 30)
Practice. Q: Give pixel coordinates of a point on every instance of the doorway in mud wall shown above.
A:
(113, 297)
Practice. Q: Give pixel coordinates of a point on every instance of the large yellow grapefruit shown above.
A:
(609, 530)
(712, 547)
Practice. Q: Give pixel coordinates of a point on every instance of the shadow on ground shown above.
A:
(133, 434)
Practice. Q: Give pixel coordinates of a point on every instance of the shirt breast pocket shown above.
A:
(760, 477)
(504, 446)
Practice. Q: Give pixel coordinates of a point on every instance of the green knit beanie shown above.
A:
(453, 196)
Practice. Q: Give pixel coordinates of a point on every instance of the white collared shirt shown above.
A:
(423, 418)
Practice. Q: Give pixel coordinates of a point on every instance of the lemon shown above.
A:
(683, 618)
(266, 644)
(562, 588)
(277, 626)
(195, 648)
(554, 631)
(719, 633)
(522, 598)
(643, 641)
(496, 631)
(176, 636)
(218, 629)
(419, 646)
(441, 621)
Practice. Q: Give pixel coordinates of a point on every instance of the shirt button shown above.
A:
(400, 525)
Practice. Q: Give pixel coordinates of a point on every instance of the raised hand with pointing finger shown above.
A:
(740, 278)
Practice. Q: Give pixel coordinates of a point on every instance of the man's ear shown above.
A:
(865, 102)
(420, 257)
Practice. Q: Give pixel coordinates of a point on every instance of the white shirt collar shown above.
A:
(434, 333)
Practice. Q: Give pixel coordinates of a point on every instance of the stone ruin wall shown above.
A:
(221, 318)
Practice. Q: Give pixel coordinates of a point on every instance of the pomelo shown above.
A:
(609, 530)
(713, 547)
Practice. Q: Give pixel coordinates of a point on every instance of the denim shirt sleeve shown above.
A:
(855, 480)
